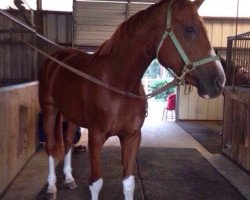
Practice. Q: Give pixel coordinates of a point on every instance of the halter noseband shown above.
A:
(189, 66)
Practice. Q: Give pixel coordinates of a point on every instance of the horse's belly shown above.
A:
(72, 110)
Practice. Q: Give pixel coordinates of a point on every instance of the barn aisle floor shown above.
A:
(155, 133)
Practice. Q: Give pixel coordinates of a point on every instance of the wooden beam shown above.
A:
(39, 17)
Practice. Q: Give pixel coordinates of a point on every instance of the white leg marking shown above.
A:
(51, 176)
(67, 169)
(95, 189)
(129, 187)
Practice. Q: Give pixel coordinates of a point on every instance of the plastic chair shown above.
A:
(170, 106)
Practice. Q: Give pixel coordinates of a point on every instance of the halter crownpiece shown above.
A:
(189, 65)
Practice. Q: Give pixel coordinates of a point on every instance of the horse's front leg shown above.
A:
(96, 141)
(130, 145)
(68, 141)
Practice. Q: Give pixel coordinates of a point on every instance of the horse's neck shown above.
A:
(132, 50)
(133, 58)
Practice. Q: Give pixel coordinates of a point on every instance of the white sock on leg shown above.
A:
(129, 187)
(95, 189)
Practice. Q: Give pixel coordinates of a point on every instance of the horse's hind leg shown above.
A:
(130, 145)
(48, 125)
(68, 141)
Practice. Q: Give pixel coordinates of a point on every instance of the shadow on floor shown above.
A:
(208, 134)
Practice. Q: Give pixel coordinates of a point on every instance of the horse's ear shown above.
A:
(198, 3)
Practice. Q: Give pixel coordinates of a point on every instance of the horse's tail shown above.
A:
(59, 148)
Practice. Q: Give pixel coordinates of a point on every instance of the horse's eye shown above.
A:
(190, 30)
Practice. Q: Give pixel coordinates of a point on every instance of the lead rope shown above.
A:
(101, 83)
(93, 79)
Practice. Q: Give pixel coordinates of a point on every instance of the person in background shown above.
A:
(77, 137)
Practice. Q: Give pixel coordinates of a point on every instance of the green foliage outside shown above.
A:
(157, 79)
(153, 70)
(158, 84)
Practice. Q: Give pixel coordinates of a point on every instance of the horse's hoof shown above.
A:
(71, 185)
(52, 196)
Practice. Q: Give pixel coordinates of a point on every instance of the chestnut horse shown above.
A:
(170, 31)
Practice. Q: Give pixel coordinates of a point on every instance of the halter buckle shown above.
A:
(180, 80)
(187, 68)
(169, 29)
(190, 66)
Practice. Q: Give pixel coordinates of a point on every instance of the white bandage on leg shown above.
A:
(129, 187)
(67, 169)
(95, 189)
(51, 176)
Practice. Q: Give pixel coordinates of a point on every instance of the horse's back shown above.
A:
(61, 55)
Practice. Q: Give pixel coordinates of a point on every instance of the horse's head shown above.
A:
(185, 47)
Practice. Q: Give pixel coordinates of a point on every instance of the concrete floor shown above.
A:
(155, 133)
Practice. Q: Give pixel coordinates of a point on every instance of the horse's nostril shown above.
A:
(218, 84)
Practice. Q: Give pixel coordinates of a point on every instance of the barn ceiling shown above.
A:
(95, 21)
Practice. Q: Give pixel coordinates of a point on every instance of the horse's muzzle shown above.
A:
(219, 84)
(213, 90)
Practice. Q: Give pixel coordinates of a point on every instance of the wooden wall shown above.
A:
(193, 107)
(218, 29)
(18, 62)
(18, 128)
(58, 27)
(236, 125)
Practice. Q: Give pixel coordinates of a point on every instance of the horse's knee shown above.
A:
(130, 146)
